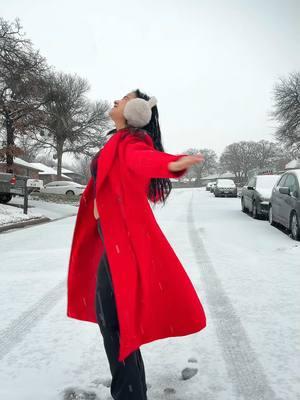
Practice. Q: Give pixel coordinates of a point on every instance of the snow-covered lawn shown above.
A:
(246, 274)
(10, 214)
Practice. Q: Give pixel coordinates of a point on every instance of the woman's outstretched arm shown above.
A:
(144, 159)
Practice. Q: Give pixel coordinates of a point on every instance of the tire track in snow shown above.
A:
(243, 367)
(21, 326)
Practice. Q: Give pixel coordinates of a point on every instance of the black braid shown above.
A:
(158, 187)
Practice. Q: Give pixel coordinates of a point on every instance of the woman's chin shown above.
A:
(113, 115)
(111, 118)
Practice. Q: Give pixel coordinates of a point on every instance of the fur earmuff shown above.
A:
(138, 112)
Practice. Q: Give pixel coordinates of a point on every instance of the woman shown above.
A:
(142, 292)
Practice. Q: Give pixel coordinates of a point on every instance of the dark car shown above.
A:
(11, 185)
(211, 188)
(284, 207)
(255, 196)
(208, 186)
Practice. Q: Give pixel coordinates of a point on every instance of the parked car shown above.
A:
(69, 188)
(284, 206)
(208, 186)
(256, 194)
(11, 185)
(211, 188)
(225, 187)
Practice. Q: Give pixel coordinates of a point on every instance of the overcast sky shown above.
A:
(212, 64)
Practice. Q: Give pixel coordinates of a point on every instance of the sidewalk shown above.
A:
(12, 216)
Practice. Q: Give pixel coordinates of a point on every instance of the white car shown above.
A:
(225, 187)
(68, 188)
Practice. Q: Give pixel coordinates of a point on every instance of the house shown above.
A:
(293, 164)
(213, 177)
(76, 177)
(22, 167)
(36, 170)
(49, 174)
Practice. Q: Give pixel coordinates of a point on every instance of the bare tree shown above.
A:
(21, 85)
(265, 154)
(204, 168)
(242, 157)
(82, 166)
(46, 158)
(239, 158)
(29, 148)
(71, 124)
(287, 112)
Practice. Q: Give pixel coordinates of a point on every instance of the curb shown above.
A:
(34, 221)
(22, 224)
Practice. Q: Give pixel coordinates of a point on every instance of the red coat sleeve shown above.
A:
(144, 159)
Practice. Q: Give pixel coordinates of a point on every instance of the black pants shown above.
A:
(128, 376)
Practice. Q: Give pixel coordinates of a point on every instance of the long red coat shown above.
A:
(154, 296)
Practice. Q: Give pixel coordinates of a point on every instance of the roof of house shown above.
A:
(293, 164)
(26, 164)
(47, 170)
(42, 168)
(68, 171)
(227, 175)
(215, 176)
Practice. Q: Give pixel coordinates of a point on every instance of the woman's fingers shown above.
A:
(186, 162)
(194, 159)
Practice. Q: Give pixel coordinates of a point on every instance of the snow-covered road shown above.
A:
(246, 274)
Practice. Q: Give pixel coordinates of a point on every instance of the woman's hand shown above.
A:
(185, 162)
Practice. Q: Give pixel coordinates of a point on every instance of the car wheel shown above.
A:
(255, 214)
(70, 193)
(5, 198)
(271, 220)
(244, 209)
(294, 226)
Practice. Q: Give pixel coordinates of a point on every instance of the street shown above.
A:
(246, 274)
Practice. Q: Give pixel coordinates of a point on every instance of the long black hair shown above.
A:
(159, 188)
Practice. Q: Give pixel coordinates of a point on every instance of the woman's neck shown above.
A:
(120, 125)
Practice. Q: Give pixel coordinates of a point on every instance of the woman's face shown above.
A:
(116, 112)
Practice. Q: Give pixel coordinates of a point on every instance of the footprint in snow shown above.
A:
(105, 382)
(188, 373)
(79, 394)
(169, 391)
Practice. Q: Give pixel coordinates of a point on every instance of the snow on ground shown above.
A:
(246, 274)
(48, 209)
(257, 267)
(9, 214)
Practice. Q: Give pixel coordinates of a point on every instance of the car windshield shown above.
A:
(266, 181)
